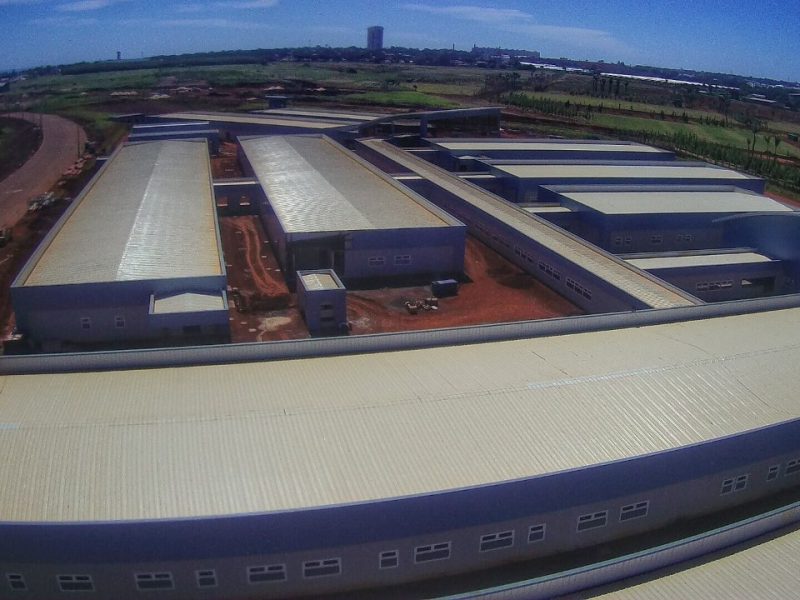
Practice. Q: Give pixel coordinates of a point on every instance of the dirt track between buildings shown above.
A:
(62, 143)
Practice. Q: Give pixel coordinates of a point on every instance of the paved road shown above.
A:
(61, 140)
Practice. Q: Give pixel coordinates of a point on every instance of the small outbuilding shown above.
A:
(322, 299)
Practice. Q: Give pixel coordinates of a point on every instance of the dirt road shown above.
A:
(62, 140)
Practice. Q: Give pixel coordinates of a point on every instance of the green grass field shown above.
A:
(401, 99)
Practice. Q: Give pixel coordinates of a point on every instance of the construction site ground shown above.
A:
(496, 292)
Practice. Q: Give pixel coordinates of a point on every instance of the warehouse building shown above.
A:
(594, 280)
(136, 258)
(625, 219)
(458, 154)
(370, 469)
(325, 208)
(520, 182)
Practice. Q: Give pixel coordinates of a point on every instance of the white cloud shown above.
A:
(64, 21)
(247, 4)
(211, 22)
(519, 22)
(85, 5)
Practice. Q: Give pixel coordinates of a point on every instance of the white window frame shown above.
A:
(389, 555)
(152, 577)
(429, 549)
(496, 541)
(402, 260)
(773, 472)
(206, 574)
(633, 509)
(75, 580)
(323, 564)
(376, 261)
(590, 517)
(265, 570)
(16, 579)
(792, 467)
(538, 527)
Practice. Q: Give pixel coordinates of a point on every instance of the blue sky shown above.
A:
(747, 37)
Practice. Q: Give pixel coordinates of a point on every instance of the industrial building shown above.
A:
(460, 154)
(176, 131)
(136, 258)
(520, 181)
(325, 208)
(357, 463)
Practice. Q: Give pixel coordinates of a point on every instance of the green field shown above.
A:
(403, 99)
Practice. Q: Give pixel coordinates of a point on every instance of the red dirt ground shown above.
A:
(62, 144)
(498, 292)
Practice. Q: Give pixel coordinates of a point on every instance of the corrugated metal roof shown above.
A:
(254, 119)
(324, 114)
(617, 273)
(697, 260)
(315, 185)
(149, 215)
(264, 436)
(545, 209)
(189, 303)
(319, 281)
(766, 570)
(543, 146)
(669, 170)
(672, 202)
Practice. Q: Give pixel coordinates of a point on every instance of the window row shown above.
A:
(399, 260)
(549, 270)
(579, 289)
(711, 286)
(629, 512)
(119, 322)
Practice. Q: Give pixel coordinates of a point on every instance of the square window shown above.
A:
(322, 568)
(86, 323)
(154, 581)
(496, 541)
(16, 582)
(389, 559)
(793, 466)
(440, 551)
(75, 583)
(206, 578)
(634, 511)
(536, 533)
(773, 472)
(592, 520)
(119, 322)
(266, 573)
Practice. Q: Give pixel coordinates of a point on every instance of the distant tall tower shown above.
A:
(375, 38)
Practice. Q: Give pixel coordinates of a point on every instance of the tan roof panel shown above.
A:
(150, 214)
(267, 436)
(672, 202)
(315, 185)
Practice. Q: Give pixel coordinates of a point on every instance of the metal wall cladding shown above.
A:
(148, 215)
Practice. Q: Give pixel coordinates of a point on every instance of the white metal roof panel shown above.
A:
(617, 273)
(149, 215)
(543, 146)
(669, 170)
(315, 185)
(319, 281)
(256, 119)
(697, 260)
(189, 302)
(655, 202)
(266, 436)
(545, 209)
(765, 570)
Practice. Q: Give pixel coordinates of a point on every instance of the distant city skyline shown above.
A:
(748, 37)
